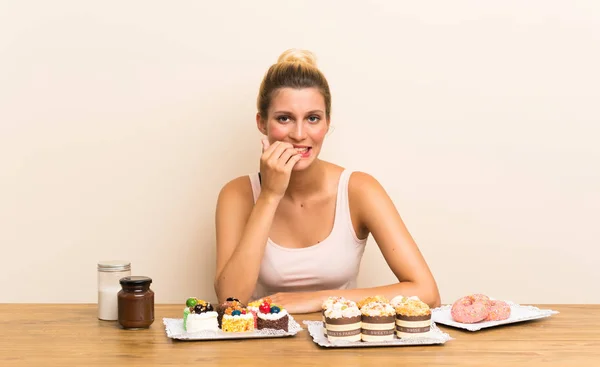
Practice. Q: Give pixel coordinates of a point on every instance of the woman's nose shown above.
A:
(299, 131)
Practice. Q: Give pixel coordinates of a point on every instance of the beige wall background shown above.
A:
(121, 121)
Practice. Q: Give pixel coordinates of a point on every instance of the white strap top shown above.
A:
(331, 264)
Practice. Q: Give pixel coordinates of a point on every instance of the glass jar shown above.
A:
(136, 303)
(109, 273)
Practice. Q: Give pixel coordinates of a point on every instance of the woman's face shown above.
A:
(297, 116)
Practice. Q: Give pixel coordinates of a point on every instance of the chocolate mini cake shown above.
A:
(343, 323)
(378, 322)
(272, 317)
(413, 318)
(231, 302)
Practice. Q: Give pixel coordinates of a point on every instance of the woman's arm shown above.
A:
(243, 227)
(379, 216)
(242, 230)
(374, 211)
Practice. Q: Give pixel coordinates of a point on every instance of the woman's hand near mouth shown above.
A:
(276, 163)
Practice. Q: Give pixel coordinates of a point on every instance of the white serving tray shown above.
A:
(518, 313)
(174, 330)
(435, 336)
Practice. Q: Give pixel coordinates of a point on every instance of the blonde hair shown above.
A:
(294, 69)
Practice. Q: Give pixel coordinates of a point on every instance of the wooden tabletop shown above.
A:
(71, 335)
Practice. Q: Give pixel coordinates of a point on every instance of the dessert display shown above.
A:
(199, 315)
(272, 317)
(232, 316)
(413, 318)
(476, 308)
(343, 322)
(375, 319)
(377, 322)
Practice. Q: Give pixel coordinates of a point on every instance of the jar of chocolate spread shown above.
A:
(136, 302)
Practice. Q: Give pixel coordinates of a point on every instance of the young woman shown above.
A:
(296, 231)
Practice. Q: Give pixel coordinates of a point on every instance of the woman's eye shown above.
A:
(283, 119)
(314, 119)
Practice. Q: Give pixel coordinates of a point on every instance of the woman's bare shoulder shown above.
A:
(239, 190)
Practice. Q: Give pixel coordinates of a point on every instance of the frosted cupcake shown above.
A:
(328, 303)
(377, 322)
(413, 318)
(343, 323)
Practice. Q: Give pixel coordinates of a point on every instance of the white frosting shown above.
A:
(272, 316)
(378, 309)
(339, 310)
(202, 316)
(196, 322)
(331, 301)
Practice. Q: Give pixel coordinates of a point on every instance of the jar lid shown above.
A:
(135, 280)
(114, 265)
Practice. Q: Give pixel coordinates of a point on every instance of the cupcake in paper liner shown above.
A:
(377, 322)
(343, 323)
(413, 318)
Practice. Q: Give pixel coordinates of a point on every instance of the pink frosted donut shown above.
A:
(470, 309)
(499, 310)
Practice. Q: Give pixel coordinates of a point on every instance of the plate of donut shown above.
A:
(478, 311)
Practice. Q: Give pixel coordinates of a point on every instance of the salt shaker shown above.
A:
(109, 274)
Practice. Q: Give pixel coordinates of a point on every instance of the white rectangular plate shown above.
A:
(174, 330)
(435, 336)
(518, 313)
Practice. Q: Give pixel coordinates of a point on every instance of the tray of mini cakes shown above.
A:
(231, 320)
(375, 321)
(478, 311)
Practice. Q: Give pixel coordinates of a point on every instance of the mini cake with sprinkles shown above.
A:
(328, 303)
(272, 317)
(230, 302)
(343, 323)
(199, 315)
(237, 320)
(413, 318)
(373, 299)
(377, 322)
(254, 306)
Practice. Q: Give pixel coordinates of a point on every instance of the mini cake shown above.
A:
(413, 318)
(375, 299)
(237, 320)
(328, 303)
(272, 317)
(253, 308)
(343, 322)
(198, 315)
(230, 302)
(377, 322)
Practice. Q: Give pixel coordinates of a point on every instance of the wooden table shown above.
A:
(71, 335)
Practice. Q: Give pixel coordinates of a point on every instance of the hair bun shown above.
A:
(299, 56)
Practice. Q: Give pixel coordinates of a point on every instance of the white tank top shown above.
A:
(331, 264)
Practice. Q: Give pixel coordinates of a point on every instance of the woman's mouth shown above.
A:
(304, 151)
